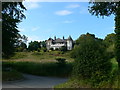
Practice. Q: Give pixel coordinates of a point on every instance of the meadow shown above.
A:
(37, 63)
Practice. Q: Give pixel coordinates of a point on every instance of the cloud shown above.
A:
(63, 12)
(73, 6)
(31, 5)
(67, 21)
(35, 28)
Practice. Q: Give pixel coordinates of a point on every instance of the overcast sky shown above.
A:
(49, 19)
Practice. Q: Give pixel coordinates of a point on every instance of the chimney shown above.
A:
(63, 38)
(54, 37)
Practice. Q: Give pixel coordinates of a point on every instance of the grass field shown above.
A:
(40, 57)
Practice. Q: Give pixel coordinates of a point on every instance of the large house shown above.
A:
(58, 43)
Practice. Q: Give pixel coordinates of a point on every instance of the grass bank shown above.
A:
(11, 75)
(41, 69)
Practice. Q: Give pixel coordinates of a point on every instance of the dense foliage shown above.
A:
(91, 61)
(117, 31)
(110, 39)
(20, 44)
(106, 9)
(12, 14)
(34, 46)
(110, 44)
(63, 48)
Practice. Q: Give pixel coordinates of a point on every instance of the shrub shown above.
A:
(51, 49)
(63, 48)
(60, 61)
(41, 69)
(57, 49)
(44, 49)
(91, 61)
(11, 75)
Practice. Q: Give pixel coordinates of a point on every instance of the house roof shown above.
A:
(69, 38)
(59, 40)
(50, 39)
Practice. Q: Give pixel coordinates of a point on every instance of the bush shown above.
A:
(63, 48)
(11, 75)
(91, 60)
(41, 69)
(60, 61)
(57, 49)
(51, 49)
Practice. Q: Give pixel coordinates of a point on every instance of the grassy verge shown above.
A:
(11, 75)
(42, 69)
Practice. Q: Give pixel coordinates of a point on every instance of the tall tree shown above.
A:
(12, 14)
(106, 9)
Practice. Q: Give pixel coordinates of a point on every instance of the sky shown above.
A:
(49, 19)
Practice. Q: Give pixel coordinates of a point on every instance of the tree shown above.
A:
(20, 44)
(110, 39)
(91, 61)
(12, 14)
(106, 9)
(33, 46)
(63, 48)
(42, 44)
(110, 44)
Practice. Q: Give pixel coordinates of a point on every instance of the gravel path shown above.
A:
(32, 81)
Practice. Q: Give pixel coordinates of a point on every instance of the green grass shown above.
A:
(11, 75)
(40, 56)
(74, 83)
